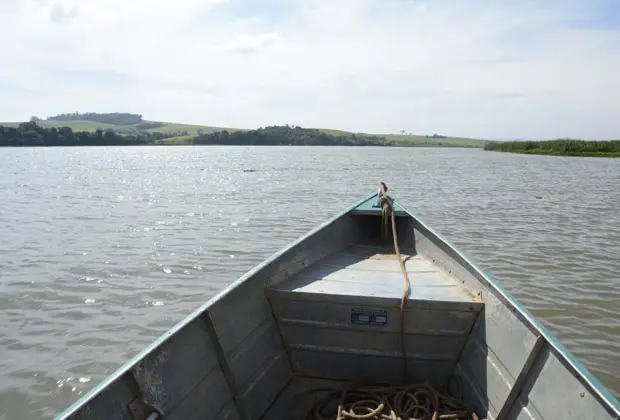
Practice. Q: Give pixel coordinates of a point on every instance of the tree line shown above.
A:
(156, 135)
(32, 134)
(287, 135)
(566, 147)
(116, 118)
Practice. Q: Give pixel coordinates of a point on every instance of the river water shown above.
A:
(103, 249)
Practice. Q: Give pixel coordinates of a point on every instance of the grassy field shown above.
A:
(75, 125)
(448, 141)
(337, 132)
(193, 130)
(190, 128)
(420, 140)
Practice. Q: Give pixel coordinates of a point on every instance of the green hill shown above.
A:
(177, 133)
(417, 140)
(163, 127)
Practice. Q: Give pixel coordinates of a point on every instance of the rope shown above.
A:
(388, 210)
(390, 402)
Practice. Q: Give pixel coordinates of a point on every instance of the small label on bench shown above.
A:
(368, 316)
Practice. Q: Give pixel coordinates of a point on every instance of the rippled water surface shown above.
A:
(103, 249)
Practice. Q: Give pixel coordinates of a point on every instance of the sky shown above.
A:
(497, 69)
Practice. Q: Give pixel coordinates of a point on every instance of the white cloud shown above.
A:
(476, 68)
(251, 44)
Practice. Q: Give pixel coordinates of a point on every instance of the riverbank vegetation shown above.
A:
(559, 147)
(293, 136)
(159, 132)
(33, 133)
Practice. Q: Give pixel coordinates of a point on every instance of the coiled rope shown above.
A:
(385, 401)
(390, 402)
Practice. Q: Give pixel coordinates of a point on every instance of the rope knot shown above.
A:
(383, 197)
(386, 209)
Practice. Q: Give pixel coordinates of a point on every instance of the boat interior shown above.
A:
(325, 311)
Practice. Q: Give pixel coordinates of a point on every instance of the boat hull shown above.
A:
(308, 317)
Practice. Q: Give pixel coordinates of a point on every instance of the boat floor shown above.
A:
(374, 271)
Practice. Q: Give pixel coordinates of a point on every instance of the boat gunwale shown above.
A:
(601, 393)
(125, 367)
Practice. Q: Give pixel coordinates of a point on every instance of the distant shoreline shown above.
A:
(575, 154)
(416, 146)
(140, 131)
(33, 134)
(559, 147)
